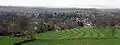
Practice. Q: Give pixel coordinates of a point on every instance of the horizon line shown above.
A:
(54, 7)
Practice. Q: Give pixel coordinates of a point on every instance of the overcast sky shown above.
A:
(64, 3)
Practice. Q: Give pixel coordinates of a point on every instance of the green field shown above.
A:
(76, 36)
(75, 42)
(75, 33)
(5, 40)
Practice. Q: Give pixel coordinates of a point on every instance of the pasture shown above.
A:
(5, 40)
(76, 36)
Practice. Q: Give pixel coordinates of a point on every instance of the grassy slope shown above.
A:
(75, 33)
(75, 42)
(9, 40)
(54, 37)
